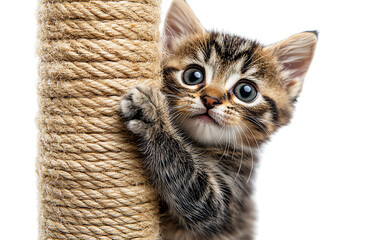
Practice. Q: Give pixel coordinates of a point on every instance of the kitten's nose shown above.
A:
(210, 102)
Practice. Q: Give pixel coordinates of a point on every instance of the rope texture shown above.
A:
(91, 182)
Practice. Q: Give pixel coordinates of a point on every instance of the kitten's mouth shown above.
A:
(206, 118)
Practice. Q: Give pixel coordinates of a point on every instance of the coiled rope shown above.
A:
(91, 182)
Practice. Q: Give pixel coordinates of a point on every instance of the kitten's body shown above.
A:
(200, 132)
(204, 191)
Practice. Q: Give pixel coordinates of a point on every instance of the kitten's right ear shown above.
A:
(180, 22)
(295, 55)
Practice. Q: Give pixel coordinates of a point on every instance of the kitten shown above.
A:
(220, 99)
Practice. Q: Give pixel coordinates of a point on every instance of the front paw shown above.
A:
(142, 109)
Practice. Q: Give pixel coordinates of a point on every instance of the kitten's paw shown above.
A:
(142, 109)
(138, 127)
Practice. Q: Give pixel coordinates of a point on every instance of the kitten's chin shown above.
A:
(205, 130)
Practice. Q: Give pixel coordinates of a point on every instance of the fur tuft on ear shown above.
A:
(295, 55)
(180, 22)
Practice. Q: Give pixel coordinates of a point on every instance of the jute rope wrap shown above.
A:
(91, 182)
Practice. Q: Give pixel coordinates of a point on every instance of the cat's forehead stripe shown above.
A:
(218, 52)
(231, 47)
(231, 81)
(209, 74)
(221, 49)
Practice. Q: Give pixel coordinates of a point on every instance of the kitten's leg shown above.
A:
(196, 194)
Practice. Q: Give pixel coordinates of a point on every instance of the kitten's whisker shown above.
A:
(241, 156)
(252, 155)
(255, 65)
(250, 149)
(173, 88)
(259, 64)
(174, 96)
(257, 123)
(262, 57)
(230, 145)
(278, 78)
(224, 128)
(253, 135)
(183, 116)
(179, 107)
(220, 131)
(176, 115)
(248, 142)
(262, 120)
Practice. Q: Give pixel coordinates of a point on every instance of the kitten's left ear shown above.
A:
(295, 54)
(180, 22)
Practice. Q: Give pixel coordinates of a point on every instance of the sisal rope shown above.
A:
(91, 182)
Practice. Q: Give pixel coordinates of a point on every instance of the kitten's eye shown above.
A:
(245, 91)
(193, 76)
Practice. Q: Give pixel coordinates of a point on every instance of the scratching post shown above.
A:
(91, 182)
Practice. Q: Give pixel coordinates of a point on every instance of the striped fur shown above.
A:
(201, 169)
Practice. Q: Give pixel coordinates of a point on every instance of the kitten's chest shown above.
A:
(230, 162)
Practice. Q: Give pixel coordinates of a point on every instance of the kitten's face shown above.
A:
(225, 90)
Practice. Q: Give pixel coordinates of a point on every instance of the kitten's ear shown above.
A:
(180, 22)
(295, 54)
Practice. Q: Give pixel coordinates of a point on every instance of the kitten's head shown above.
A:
(224, 89)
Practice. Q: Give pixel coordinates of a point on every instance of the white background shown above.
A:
(319, 178)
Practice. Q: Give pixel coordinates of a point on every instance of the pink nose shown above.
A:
(209, 102)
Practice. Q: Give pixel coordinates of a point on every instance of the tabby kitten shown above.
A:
(220, 99)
